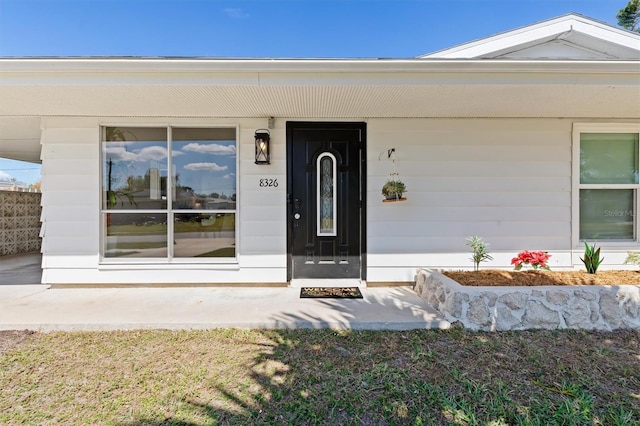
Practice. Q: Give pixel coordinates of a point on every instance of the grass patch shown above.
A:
(322, 377)
(222, 222)
(222, 252)
(155, 229)
(119, 253)
(137, 245)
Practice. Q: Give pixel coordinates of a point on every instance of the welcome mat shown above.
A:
(330, 292)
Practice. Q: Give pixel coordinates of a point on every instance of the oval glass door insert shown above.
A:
(326, 195)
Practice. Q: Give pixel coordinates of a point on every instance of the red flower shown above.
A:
(537, 259)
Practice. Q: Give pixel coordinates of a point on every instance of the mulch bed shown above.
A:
(492, 277)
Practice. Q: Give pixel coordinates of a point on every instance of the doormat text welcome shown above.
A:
(330, 292)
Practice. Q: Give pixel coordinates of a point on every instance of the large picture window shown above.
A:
(608, 184)
(169, 193)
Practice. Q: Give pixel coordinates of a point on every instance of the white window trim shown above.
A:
(169, 260)
(579, 128)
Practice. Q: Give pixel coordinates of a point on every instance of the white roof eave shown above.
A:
(22, 69)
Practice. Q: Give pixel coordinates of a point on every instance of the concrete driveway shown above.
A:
(21, 269)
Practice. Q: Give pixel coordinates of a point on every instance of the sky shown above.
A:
(264, 28)
(203, 166)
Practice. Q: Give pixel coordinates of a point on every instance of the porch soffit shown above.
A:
(32, 89)
(20, 138)
(383, 101)
(319, 88)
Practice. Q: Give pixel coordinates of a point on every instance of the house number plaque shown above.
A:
(268, 183)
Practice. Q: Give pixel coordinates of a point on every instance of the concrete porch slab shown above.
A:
(24, 304)
(38, 307)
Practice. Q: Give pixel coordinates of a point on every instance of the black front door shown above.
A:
(325, 168)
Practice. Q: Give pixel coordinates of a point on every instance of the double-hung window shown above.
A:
(606, 159)
(168, 193)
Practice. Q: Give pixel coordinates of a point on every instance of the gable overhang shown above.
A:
(32, 89)
(601, 40)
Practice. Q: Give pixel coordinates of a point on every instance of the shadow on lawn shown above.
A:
(418, 377)
(319, 373)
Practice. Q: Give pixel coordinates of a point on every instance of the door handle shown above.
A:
(296, 216)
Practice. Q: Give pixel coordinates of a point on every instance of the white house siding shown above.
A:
(71, 208)
(505, 180)
(70, 197)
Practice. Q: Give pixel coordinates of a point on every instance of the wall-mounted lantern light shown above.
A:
(262, 146)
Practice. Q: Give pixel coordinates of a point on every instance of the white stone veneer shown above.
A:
(521, 308)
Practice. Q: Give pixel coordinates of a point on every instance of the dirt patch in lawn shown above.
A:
(538, 278)
(12, 338)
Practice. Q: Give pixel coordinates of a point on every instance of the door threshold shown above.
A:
(327, 282)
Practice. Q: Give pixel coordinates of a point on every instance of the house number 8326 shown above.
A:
(266, 183)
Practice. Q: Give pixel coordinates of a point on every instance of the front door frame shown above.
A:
(362, 126)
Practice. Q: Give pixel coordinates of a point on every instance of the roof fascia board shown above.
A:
(103, 67)
(447, 73)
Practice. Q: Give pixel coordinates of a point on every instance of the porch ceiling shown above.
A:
(20, 138)
(365, 101)
(308, 89)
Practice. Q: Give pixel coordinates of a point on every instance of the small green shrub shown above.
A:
(591, 258)
(479, 249)
(394, 189)
(113, 197)
(633, 257)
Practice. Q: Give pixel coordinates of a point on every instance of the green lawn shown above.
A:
(222, 252)
(223, 222)
(322, 377)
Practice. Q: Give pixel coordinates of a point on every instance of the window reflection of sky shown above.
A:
(204, 166)
(133, 159)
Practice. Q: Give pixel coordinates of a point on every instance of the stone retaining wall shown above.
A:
(521, 308)
(19, 222)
